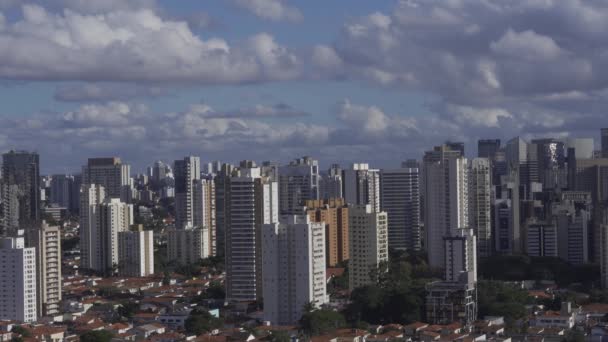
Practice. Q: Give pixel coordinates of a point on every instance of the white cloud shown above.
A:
(368, 119)
(134, 46)
(527, 45)
(275, 10)
(484, 117)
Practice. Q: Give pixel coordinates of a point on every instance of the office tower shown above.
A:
(455, 298)
(446, 199)
(583, 146)
(251, 201)
(541, 240)
(111, 173)
(604, 255)
(334, 213)
(487, 148)
(573, 216)
(368, 243)
(551, 163)
(298, 183)
(456, 146)
(293, 268)
(400, 199)
(47, 242)
(204, 210)
(18, 281)
(480, 207)
(270, 171)
(21, 186)
(604, 136)
(523, 158)
(136, 252)
(91, 196)
(113, 217)
(361, 186)
(591, 175)
(220, 181)
(503, 232)
(187, 171)
(160, 171)
(188, 245)
(62, 190)
(330, 183)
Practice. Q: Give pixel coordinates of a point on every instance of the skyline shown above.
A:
(273, 80)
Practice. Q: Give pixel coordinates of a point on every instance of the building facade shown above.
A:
(110, 173)
(187, 172)
(361, 185)
(20, 190)
(47, 241)
(334, 214)
(18, 281)
(298, 183)
(136, 253)
(188, 245)
(91, 196)
(480, 205)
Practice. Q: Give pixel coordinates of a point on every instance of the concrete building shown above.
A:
(368, 242)
(446, 200)
(91, 196)
(204, 211)
(21, 186)
(110, 173)
(480, 206)
(188, 245)
(187, 172)
(461, 257)
(220, 181)
(136, 253)
(293, 268)
(114, 216)
(62, 191)
(334, 214)
(604, 142)
(330, 183)
(361, 186)
(487, 148)
(400, 199)
(572, 216)
(541, 240)
(298, 183)
(18, 281)
(251, 201)
(47, 242)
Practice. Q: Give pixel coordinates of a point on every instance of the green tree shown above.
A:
(17, 329)
(127, 309)
(279, 336)
(97, 336)
(201, 321)
(320, 322)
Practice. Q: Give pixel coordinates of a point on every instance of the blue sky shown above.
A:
(357, 81)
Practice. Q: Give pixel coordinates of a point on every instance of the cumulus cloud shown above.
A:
(275, 10)
(134, 46)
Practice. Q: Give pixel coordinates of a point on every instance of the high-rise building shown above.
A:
(110, 173)
(400, 199)
(541, 240)
(505, 239)
(361, 185)
(62, 190)
(456, 146)
(368, 242)
(334, 214)
(573, 216)
(487, 148)
(480, 206)
(21, 190)
(330, 183)
(583, 146)
(298, 183)
(159, 171)
(251, 201)
(47, 242)
(91, 196)
(136, 252)
(293, 268)
(551, 158)
(604, 134)
(188, 245)
(18, 281)
(204, 211)
(220, 181)
(522, 157)
(461, 257)
(446, 199)
(187, 171)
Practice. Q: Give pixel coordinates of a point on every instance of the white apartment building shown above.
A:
(17, 281)
(113, 217)
(251, 201)
(480, 206)
(136, 253)
(298, 182)
(47, 241)
(446, 200)
(461, 257)
(188, 245)
(400, 199)
(293, 268)
(91, 195)
(204, 214)
(368, 243)
(362, 185)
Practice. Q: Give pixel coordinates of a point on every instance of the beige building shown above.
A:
(334, 213)
(188, 245)
(204, 213)
(136, 252)
(47, 241)
(368, 243)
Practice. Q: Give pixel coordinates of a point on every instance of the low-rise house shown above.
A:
(146, 330)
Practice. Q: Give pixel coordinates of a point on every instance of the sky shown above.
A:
(342, 81)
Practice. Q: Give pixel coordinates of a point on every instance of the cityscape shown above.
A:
(303, 171)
